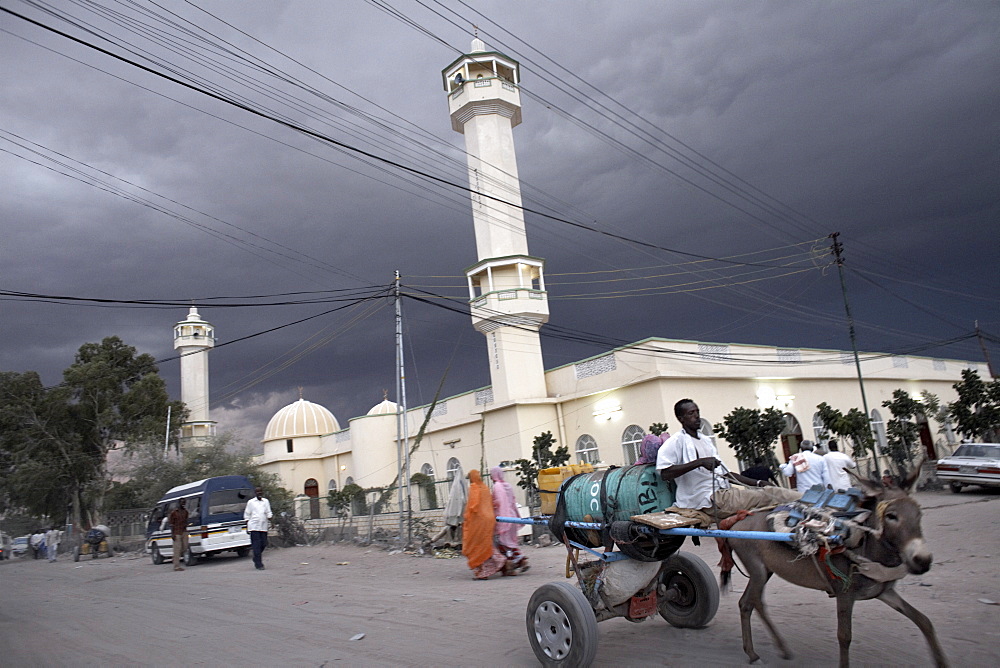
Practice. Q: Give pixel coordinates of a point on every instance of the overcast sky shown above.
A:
(741, 130)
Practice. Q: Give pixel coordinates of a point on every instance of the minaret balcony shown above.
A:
(514, 306)
(488, 95)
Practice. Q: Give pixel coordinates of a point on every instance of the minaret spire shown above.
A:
(506, 286)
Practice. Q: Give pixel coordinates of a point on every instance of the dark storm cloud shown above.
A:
(875, 120)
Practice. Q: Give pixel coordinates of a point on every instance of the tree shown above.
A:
(151, 473)
(976, 413)
(111, 398)
(752, 433)
(657, 428)
(853, 426)
(542, 458)
(901, 432)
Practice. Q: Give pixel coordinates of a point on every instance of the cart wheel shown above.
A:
(242, 551)
(76, 554)
(697, 595)
(189, 558)
(155, 555)
(561, 625)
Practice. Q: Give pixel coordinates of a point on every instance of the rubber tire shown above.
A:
(155, 555)
(571, 633)
(955, 487)
(189, 558)
(242, 552)
(700, 593)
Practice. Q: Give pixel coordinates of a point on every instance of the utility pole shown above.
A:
(986, 353)
(402, 435)
(836, 250)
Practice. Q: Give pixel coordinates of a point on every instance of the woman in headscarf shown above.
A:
(506, 533)
(648, 448)
(454, 511)
(477, 532)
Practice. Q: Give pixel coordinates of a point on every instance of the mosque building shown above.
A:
(600, 407)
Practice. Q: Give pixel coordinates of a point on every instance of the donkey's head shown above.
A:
(896, 520)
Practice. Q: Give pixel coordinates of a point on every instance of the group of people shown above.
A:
(45, 543)
(491, 547)
(689, 458)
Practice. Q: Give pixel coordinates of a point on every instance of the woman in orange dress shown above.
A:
(477, 538)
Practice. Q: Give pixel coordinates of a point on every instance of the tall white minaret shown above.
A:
(506, 286)
(193, 338)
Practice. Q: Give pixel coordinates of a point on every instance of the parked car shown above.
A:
(971, 464)
(20, 546)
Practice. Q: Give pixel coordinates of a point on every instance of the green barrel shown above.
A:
(631, 490)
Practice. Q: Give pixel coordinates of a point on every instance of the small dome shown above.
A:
(302, 418)
(386, 407)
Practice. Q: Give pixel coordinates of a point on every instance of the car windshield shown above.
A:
(978, 450)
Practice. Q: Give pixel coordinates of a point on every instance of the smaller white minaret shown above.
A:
(193, 338)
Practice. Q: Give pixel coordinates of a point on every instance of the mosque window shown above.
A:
(586, 450)
(706, 428)
(819, 429)
(349, 481)
(631, 440)
(288, 444)
(427, 470)
(332, 487)
(454, 468)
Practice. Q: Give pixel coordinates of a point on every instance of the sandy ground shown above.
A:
(307, 606)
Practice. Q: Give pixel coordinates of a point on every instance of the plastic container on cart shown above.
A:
(549, 481)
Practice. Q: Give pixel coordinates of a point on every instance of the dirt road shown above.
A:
(418, 611)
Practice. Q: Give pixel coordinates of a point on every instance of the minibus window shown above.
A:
(228, 501)
(194, 510)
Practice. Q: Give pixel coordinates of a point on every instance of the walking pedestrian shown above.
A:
(506, 533)
(37, 543)
(178, 521)
(808, 468)
(257, 514)
(52, 542)
(836, 463)
(478, 544)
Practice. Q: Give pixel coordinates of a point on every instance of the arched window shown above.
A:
(312, 487)
(631, 440)
(706, 428)
(349, 481)
(427, 470)
(454, 469)
(586, 450)
(332, 487)
(819, 430)
(878, 426)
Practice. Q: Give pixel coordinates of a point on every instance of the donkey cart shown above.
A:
(646, 575)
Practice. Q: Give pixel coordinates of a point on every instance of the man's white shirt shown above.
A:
(257, 513)
(836, 462)
(816, 475)
(694, 488)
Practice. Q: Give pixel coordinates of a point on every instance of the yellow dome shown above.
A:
(385, 407)
(302, 418)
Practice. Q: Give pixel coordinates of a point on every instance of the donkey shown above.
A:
(892, 546)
